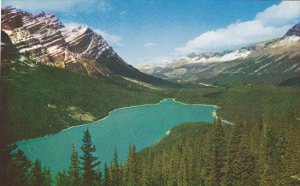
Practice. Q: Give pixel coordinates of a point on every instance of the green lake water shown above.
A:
(140, 125)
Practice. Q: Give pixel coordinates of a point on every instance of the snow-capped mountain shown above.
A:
(44, 39)
(278, 59)
(221, 57)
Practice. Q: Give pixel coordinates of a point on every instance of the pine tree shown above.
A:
(46, 177)
(89, 161)
(217, 153)
(6, 157)
(99, 176)
(35, 177)
(131, 172)
(21, 166)
(14, 165)
(74, 169)
(62, 179)
(247, 165)
(107, 179)
(242, 168)
(146, 175)
(233, 175)
(116, 174)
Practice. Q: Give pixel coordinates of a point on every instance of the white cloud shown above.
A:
(273, 22)
(71, 25)
(149, 45)
(112, 39)
(281, 14)
(58, 5)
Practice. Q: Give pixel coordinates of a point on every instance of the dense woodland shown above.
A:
(265, 151)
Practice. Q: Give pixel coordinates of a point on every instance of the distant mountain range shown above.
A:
(44, 39)
(272, 61)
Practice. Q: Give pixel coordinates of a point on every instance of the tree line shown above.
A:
(263, 151)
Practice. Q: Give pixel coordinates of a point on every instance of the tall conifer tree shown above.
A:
(107, 179)
(115, 170)
(217, 153)
(132, 168)
(89, 161)
(62, 179)
(74, 169)
(35, 177)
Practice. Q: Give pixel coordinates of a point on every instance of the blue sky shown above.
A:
(156, 31)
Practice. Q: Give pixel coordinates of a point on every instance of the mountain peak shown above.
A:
(295, 30)
(43, 38)
(82, 29)
(44, 14)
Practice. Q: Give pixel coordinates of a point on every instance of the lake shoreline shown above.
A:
(121, 127)
(134, 106)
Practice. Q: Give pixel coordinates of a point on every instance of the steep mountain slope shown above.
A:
(44, 39)
(265, 62)
(40, 99)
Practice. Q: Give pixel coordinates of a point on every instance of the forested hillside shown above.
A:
(251, 153)
(44, 99)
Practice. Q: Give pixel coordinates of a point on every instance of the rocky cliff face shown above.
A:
(43, 38)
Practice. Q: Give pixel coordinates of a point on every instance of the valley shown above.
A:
(74, 112)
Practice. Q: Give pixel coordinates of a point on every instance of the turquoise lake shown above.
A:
(140, 125)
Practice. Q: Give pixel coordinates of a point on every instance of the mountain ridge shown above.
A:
(272, 58)
(44, 39)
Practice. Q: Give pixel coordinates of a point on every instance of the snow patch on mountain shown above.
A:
(45, 39)
(223, 58)
(288, 40)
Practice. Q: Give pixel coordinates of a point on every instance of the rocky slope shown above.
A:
(265, 62)
(295, 30)
(44, 39)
